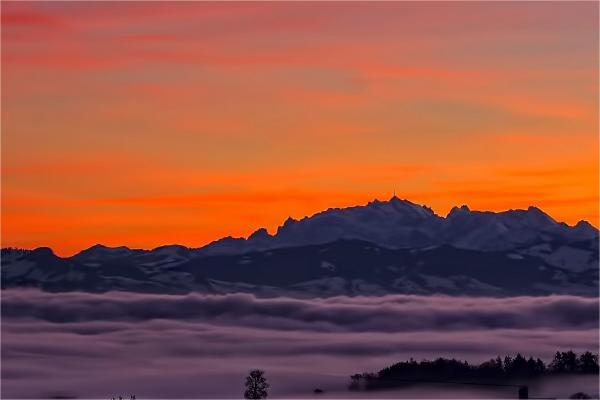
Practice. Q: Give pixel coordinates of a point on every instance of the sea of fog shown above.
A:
(202, 346)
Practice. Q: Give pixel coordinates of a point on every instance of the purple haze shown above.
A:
(184, 346)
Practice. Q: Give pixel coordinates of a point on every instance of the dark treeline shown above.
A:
(494, 371)
(12, 250)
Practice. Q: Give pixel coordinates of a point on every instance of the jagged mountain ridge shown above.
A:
(383, 247)
(402, 224)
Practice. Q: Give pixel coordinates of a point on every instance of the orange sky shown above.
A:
(144, 124)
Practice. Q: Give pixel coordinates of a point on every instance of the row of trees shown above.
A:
(493, 371)
(569, 362)
(4, 251)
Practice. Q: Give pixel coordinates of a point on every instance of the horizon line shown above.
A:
(375, 200)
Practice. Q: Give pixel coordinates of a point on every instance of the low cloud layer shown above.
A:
(395, 313)
(159, 346)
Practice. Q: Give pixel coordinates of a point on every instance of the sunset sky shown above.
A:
(144, 124)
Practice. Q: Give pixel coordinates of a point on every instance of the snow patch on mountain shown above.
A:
(402, 224)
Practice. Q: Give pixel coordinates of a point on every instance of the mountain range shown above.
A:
(393, 246)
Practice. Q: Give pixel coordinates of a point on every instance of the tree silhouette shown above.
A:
(540, 367)
(588, 363)
(519, 366)
(570, 360)
(557, 365)
(508, 363)
(256, 385)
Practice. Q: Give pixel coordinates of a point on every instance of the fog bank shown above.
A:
(201, 346)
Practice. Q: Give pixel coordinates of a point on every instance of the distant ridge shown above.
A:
(399, 223)
(383, 247)
(396, 223)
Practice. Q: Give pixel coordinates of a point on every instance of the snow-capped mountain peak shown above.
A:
(393, 246)
(456, 211)
(400, 223)
(99, 251)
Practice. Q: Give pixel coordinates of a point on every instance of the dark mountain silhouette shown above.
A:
(383, 247)
(401, 224)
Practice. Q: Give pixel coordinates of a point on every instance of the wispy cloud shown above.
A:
(287, 108)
